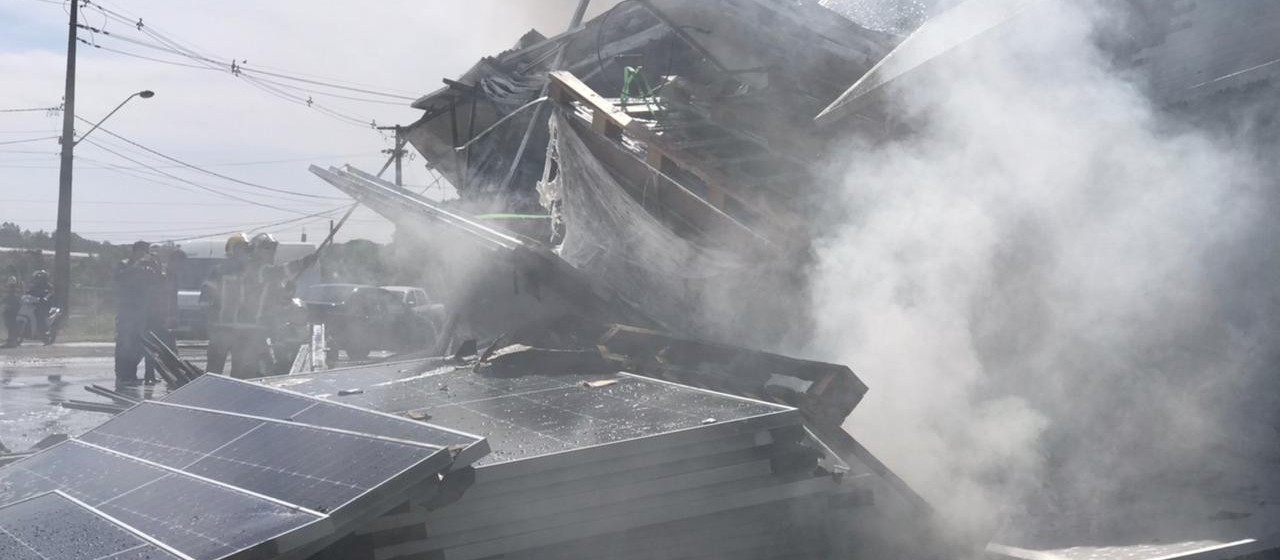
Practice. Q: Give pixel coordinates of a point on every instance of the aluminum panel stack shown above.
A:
(591, 465)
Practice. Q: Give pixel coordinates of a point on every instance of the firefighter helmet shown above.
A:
(239, 240)
(264, 241)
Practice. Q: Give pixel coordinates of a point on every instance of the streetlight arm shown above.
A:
(104, 119)
(144, 94)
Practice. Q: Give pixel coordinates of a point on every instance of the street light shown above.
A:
(62, 237)
(145, 94)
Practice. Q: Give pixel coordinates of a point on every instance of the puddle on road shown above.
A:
(29, 397)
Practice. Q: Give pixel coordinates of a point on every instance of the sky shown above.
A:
(224, 123)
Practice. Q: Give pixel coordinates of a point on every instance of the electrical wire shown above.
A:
(246, 229)
(153, 176)
(272, 87)
(206, 171)
(334, 83)
(28, 140)
(119, 202)
(211, 64)
(134, 55)
(193, 183)
(30, 109)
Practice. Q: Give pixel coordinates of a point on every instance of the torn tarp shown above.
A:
(690, 287)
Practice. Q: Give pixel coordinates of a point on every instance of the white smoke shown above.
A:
(1025, 279)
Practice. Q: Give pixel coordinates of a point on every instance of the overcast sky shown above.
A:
(218, 121)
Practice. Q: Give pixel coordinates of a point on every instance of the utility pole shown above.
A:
(397, 154)
(62, 236)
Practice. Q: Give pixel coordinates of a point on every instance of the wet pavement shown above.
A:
(35, 379)
(30, 393)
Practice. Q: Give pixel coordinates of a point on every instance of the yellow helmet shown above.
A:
(237, 240)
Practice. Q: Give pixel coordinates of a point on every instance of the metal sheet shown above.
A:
(231, 395)
(198, 518)
(319, 469)
(54, 526)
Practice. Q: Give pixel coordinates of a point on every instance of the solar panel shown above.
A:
(54, 526)
(533, 415)
(226, 394)
(316, 468)
(198, 518)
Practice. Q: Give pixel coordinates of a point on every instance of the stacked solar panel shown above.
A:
(592, 466)
(221, 469)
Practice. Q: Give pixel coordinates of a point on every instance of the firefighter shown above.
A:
(137, 278)
(12, 303)
(224, 295)
(274, 286)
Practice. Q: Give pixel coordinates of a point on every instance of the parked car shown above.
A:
(417, 299)
(359, 319)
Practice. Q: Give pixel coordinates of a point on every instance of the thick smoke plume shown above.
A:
(1042, 282)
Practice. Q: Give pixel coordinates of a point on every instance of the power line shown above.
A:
(134, 55)
(174, 165)
(206, 171)
(334, 83)
(118, 202)
(27, 140)
(246, 229)
(148, 176)
(174, 47)
(195, 184)
(30, 109)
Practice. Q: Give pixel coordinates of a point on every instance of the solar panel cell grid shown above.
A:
(220, 393)
(51, 526)
(535, 415)
(317, 469)
(200, 519)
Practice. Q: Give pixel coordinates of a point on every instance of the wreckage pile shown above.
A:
(673, 144)
(586, 465)
(679, 193)
(575, 457)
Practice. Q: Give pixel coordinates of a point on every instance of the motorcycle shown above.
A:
(26, 321)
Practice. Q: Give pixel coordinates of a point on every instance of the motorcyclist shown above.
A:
(12, 303)
(226, 294)
(41, 288)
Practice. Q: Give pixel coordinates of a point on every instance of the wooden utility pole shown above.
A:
(397, 154)
(62, 236)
